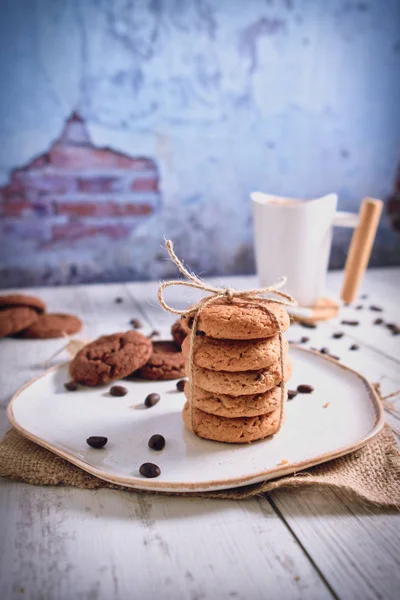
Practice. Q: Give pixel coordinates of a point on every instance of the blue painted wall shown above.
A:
(290, 97)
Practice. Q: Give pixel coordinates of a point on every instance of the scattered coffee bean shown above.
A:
(151, 400)
(376, 308)
(359, 307)
(71, 386)
(354, 347)
(154, 333)
(149, 470)
(291, 394)
(304, 388)
(118, 390)
(353, 323)
(180, 385)
(364, 296)
(308, 325)
(391, 326)
(324, 350)
(97, 441)
(136, 324)
(304, 340)
(396, 330)
(378, 321)
(338, 335)
(156, 442)
(118, 300)
(200, 333)
(190, 322)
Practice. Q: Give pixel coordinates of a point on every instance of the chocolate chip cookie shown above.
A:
(166, 362)
(13, 320)
(12, 300)
(52, 326)
(178, 332)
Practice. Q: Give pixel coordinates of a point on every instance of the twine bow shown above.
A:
(255, 296)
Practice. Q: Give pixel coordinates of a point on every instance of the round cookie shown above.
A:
(110, 357)
(52, 326)
(235, 406)
(13, 320)
(166, 362)
(178, 333)
(240, 383)
(239, 320)
(234, 355)
(11, 300)
(234, 431)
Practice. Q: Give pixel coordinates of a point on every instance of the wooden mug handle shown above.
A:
(361, 247)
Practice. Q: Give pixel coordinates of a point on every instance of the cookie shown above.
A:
(234, 355)
(13, 320)
(178, 333)
(110, 357)
(234, 431)
(235, 406)
(11, 300)
(239, 320)
(166, 362)
(52, 325)
(239, 383)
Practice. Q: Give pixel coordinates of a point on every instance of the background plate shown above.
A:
(61, 421)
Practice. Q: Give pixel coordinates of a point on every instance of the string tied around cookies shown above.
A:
(254, 296)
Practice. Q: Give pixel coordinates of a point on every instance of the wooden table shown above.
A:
(65, 543)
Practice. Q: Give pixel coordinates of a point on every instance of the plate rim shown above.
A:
(135, 482)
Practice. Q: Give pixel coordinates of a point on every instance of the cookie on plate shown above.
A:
(239, 320)
(234, 355)
(239, 383)
(13, 320)
(52, 325)
(234, 431)
(110, 357)
(178, 333)
(12, 300)
(166, 362)
(223, 405)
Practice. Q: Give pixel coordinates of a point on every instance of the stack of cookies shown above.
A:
(237, 374)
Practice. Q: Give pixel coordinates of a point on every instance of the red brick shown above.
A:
(82, 157)
(142, 184)
(26, 181)
(98, 184)
(102, 209)
(78, 231)
(17, 208)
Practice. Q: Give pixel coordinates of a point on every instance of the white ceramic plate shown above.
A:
(62, 421)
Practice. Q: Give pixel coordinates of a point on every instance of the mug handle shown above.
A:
(367, 222)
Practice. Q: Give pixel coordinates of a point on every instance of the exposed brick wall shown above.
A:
(76, 191)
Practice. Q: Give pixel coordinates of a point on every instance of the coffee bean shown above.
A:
(97, 441)
(359, 307)
(156, 442)
(180, 385)
(378, 321)
(71, 386)
(200, 333)
(151, 400)
(304, 388)
(136, 324)
(338, 335)
(308, 325)
(118, 300)
(324, 350)
(354, 347)
(149, 470)
(364, 296)
(118, 390)
(291, 394)
(304, 340)
(376, 308)
(154, 333)
(353, 323)
(396, 330)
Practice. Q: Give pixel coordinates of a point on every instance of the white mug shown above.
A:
(293, 238)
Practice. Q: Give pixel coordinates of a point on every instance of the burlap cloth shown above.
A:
(372, 473)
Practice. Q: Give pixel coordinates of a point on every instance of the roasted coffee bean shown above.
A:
(338, 335)
(151, 400)
(354, 347)
(180, 385)
(359, 307)
(71, 386)
(136, 324)
(396, 330)
(291, 394)
(154, 333)
(157, 442)
(378, 321)
(97, 441)
(324, 350)
(353, 323)
(304, 388)
(304, 340)
(308, 325)
(118, 390)
(200, 333)
(375, 308)
(118, 300)
(149, 470)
